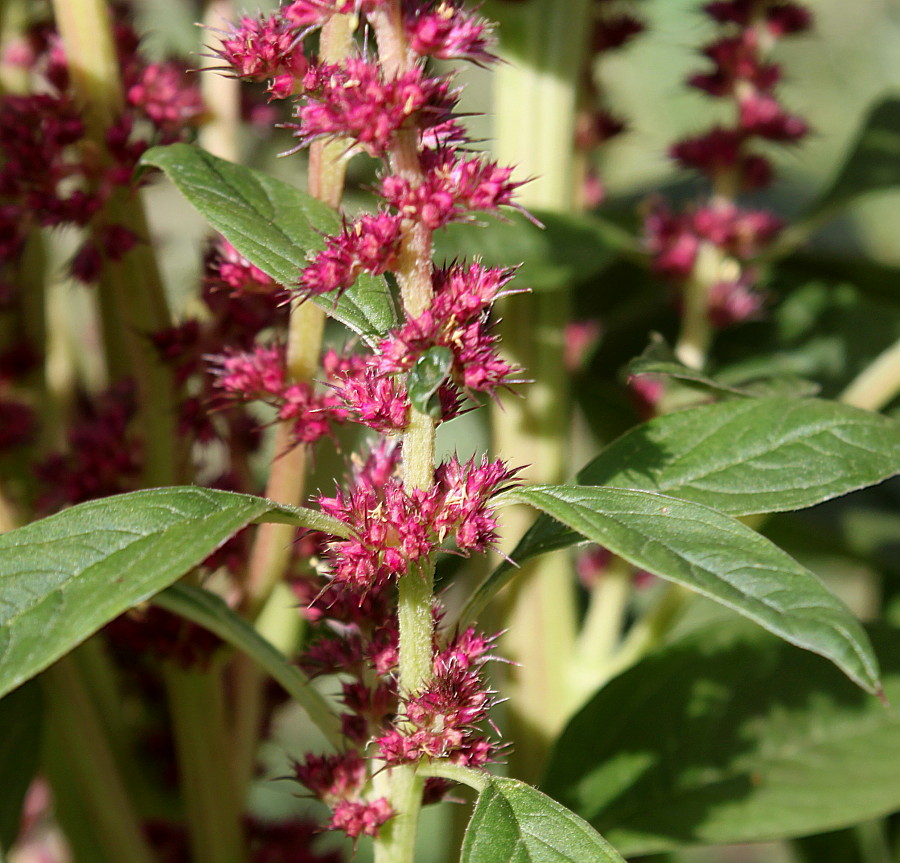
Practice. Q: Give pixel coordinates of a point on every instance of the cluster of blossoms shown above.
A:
(398, 113)
(613, 26)
(725, 155)
(54, 174)
(394, 528)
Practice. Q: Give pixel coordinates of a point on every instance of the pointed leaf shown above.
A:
(211, 612)
(515, 823)
(64, 577)
(273, 225)
(740, 457)
(762, 455)
(743, 457)
(718, 557)
(659, 359)
(729, 735)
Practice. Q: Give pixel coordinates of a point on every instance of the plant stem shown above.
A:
(220, 134)
(396, 842)
(536, 95)
(696, 333)
(648, 632)
(287, 478)
(878, 384)
(131, 294)
(74, 722)
(213, 799)
(602, 627)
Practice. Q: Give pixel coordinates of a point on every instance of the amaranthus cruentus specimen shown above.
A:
(418, 693)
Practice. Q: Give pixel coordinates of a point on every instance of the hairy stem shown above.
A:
(396, 844)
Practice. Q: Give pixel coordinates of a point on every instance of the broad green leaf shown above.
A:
(718, 557)
(742, 457)
(729, 735)
(874, 162)
(20, 743)
(64, 577)
(515, 823)
(566, 250)
(211, 612)
(273, 225)
(755, 456)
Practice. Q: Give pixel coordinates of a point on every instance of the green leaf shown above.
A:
(64, 577)
(730, 736)
(874, 162)
(428, 375)
(718, 557)
(211, 612)
(273, 225)
(757, 456)
(20, 743)
(659, 359)
(515, 823)
(566, 250)
(742, 458)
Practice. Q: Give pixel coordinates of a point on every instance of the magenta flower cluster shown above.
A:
(400, 114)
(742, 74)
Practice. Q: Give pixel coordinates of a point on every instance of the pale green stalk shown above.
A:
(131, 294)
(601, 630)
(878, 384)
(221, 133)
(544, 46)
(272, 546)
(81, 741)
(212, 797)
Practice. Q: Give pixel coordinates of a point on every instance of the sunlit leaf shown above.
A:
(273, 225)
(64, 577)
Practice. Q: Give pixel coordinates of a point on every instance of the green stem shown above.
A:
(397, 841)
(402, 787)
(648, 632)
(535, 106)
(221, 133)
(477, 779)
(79, 731)
(697, 332)
(287, 478)
(213, 800)
(602, 627)
(878, 384)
